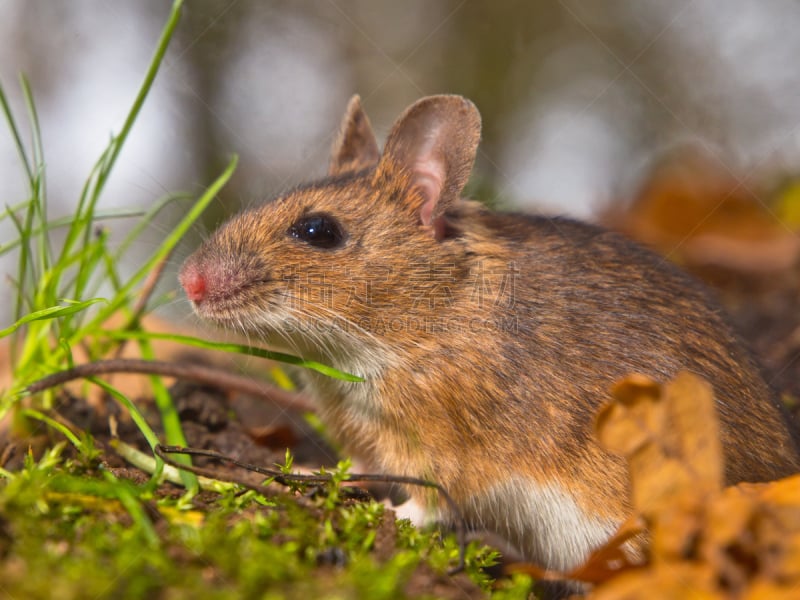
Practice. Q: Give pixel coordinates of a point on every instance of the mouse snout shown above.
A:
(214, 282)
(194, 282)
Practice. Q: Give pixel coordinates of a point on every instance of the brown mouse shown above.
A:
(487, 341)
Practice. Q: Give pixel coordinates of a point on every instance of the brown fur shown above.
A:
(488, 340)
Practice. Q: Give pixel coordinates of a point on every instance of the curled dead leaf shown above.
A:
(669, 436)
(705, 541)
(633, 418)
(694, 433)
(678, 581)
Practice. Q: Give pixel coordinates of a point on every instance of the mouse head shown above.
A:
(338, 256)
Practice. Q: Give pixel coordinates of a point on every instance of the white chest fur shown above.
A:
(544, 522)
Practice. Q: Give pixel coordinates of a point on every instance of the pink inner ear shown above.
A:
(428, 177)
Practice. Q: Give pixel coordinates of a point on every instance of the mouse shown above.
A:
(486, 340)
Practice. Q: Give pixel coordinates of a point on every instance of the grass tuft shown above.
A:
(71, 523)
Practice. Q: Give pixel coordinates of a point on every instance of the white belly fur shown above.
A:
(543, 522)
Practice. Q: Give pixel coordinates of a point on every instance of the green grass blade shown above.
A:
(128, 496)
(107, 161)
(22, 266)
(165, 249)
(136, 415)
(12, 125)
(146, 219)
(147, 463)
(53, 312)
(35, 414)
(44, 250)
(169, 419)
(239, 349)
(67, 221)
(92, 255)
(138, 419)
(144, 90)
(78, 222)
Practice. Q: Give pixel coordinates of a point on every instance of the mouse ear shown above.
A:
(434, 142)
(355, 147)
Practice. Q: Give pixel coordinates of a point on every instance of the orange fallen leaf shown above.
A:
(669, 435)
(705, 541)
(693, 209)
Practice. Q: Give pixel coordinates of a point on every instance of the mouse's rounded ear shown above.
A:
(355, 147)
(434, 143)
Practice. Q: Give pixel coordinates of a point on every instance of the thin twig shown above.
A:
(288, 479)
(163, 452)
(141, 302)
(148, 288)
(204, 374)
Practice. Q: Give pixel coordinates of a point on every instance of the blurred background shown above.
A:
(670, 120)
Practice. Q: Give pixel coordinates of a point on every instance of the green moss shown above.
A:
(65, 533)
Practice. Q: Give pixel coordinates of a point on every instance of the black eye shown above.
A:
(321, 231)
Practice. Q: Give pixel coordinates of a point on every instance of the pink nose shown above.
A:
(194, 283)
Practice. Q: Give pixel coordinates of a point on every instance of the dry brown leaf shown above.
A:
(604, 563)
(692, 208)
(767, 590)
(705, 541)
(633, 419)
(679, 581)
(694, 430)
(664, 433)
(613, 557)
(674, 527)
